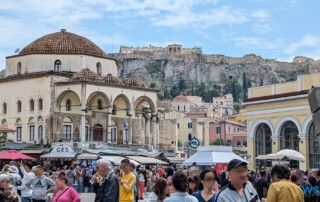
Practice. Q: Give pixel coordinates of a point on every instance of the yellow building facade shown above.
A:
(279, 117)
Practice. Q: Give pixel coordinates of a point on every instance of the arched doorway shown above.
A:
(289, 140)
(263, 143)
(98, 132)
(314, 148)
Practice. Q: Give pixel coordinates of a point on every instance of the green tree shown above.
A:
(244, 85)
(261, 82)
(174, 91)
(234, 88)
(153, 84)
(182, 85)
(237, 106)
(217, 142)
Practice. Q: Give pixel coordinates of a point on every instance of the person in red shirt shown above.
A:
(65, 193)
(160, 171)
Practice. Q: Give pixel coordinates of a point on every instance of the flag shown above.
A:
(125, 124)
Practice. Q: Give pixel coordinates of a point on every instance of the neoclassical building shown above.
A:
(63, 88)
(279, 117)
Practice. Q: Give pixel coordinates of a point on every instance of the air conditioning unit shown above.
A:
(92, 146)
(77, 145)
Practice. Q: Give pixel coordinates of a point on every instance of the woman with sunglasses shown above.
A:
(208, 179)
(6, 195)
(65, 193)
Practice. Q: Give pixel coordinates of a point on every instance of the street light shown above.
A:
(188, 146)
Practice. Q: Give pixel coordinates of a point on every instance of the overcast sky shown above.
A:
(275, 29)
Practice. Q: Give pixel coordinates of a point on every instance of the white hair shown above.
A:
(105, 163)
(3, 177)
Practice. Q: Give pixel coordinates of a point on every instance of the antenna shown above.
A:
(112, 44)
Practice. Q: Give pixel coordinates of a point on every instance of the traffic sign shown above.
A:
(194, 143)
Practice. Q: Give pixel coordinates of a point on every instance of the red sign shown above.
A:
(220, 167)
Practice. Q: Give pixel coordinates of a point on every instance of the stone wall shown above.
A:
(168, 135)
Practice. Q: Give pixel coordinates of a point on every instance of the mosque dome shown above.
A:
(86, 75)
(132, 81)
(63, 42)
(109, 79)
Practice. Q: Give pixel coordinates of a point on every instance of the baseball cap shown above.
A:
(235, 163)
(13, 169)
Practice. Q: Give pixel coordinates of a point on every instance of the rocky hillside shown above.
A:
(167, 70)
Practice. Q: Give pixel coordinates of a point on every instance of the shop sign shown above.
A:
(194, 143)
(62, 148)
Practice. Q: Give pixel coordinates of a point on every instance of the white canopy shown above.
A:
(285, 154)
(207, 156)
(116, 160)
(146, 160)
(60, 151)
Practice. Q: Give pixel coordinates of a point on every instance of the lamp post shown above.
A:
(188, 145)
(126, 131)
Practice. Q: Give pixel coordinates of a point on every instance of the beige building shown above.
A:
(279, 118)
(63, 88)
(223, 105)
(185, 103)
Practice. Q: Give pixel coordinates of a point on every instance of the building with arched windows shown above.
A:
(64, 88)
(279, 117)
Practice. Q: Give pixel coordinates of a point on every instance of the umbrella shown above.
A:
(291, 155)
(268, 157)
(14, 155)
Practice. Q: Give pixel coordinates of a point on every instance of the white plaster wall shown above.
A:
(72, 63)
(25, 90)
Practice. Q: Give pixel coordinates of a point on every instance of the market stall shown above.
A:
(59, 155)
(116, 160)
(147, 160)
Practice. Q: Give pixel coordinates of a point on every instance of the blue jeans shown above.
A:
(79, 186)
(26, 199)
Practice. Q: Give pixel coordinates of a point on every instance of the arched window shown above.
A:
(40, 104)
(19, 68)
(4, 108)
(57, 65)
(289, 140)
(263, 143)
(40, 132)
(32, 105)
(99, 70)
(99, 104)
(19, 106)
(314, 148)
(68, 105)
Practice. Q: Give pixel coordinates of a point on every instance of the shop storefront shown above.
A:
(59, 156)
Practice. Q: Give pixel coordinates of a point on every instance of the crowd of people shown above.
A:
(31, 183)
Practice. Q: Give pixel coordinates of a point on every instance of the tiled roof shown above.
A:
(5, 129)
(132, 81)
(277, 96)
(63, 43)
(181, 98)
(109, 79)
(86, 75)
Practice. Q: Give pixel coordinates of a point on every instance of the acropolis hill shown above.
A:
(167, 65)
